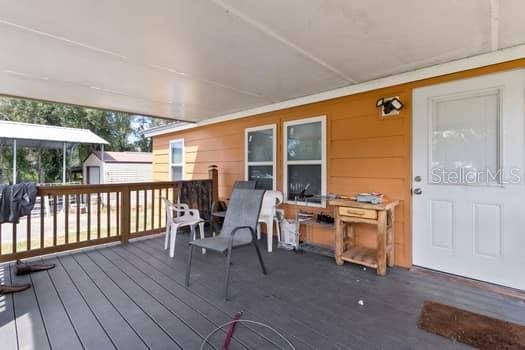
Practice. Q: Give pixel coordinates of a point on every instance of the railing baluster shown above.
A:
(145, 209)
(1, 242)
(152, 208)
(88, 204)
(98, 214)
(77, 199)
(108, 212)
(28, 226)
(118, 213)
(160, 207)
(54, 220)
(137, 210)
(42, 218)
(66, 217)
(15, 238)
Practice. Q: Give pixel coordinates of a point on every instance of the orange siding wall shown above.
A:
(365, 152)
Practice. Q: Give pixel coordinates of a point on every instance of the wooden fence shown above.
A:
(79, 216)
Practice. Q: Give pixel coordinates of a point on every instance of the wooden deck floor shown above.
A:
(133, 297)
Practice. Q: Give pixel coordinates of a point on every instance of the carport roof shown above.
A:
(46, 136)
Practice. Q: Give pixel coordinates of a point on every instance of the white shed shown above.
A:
(117, 167)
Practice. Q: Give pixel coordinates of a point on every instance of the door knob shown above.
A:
(417, 179)
(417, 191)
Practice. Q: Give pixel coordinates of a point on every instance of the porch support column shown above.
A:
(14, 161)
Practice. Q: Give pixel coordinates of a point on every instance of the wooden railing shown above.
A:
(77, 216)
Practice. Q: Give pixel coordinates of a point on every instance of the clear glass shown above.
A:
(465, 141)
(260, 146)
(263, 174)
(305, 141)
(304, 179)
(176, 173)
(176, 152)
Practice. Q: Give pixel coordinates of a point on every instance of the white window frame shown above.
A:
(273, 163)
(321, 162)
(171, 158)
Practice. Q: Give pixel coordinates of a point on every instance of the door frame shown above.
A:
(504, 82)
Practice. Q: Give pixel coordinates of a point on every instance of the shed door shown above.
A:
(468, 189)
(93, 175)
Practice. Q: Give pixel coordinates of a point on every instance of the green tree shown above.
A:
(123, 131)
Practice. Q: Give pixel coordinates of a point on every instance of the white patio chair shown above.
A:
(185, 217)
(268, 215)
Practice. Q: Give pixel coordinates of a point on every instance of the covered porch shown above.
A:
(298, 95)
(134, 297)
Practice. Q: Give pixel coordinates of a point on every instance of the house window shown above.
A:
(177, 160)
(305, 160)
(260, 155)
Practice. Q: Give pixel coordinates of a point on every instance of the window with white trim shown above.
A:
(260, 148)
(305, 160)
(177, 159)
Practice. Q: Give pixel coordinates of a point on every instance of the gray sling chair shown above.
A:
(239, 229)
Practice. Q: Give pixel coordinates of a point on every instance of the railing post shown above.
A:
(125, 212)
(213, 173)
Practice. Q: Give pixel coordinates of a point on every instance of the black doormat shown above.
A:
(476, 330)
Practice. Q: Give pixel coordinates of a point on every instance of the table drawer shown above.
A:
(361, 213)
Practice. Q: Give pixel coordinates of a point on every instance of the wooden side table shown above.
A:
(382, 216)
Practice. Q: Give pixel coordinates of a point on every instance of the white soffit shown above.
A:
(195, 60)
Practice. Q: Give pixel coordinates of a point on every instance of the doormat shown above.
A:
(473, 329)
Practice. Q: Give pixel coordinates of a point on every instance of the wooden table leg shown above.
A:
(391, 239)
(338, 240)
(381, 243)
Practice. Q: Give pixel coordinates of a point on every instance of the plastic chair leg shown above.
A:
(269, 234)
(167, 238)
(173, 240)
(201, 231)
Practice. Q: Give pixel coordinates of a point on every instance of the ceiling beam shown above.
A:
(494, 25)
(268, 31)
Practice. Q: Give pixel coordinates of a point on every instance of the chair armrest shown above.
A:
(195, 213)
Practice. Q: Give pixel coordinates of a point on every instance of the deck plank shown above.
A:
(7, 314)
(61, 333)
(150, 333)
(200, 324)
(133, 297)
(200, 305)
(117, 328)
(166, 316)
(88, 328)
(210, 287)
(30, 326)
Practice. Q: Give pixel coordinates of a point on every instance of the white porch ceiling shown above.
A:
(197, 59)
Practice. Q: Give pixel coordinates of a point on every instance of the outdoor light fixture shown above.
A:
(390, 105)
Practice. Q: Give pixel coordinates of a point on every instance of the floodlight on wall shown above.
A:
(389, 105)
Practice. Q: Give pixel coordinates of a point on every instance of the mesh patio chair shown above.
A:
(219, 208)
(239, 229)
(250, 185)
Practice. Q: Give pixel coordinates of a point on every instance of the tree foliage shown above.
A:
(123, 131)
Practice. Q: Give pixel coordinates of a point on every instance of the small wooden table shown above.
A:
(381, 215)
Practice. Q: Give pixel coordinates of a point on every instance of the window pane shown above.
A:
(263, 174)
(304, 177)
(176, 173)
(260, 146)
(305, 141)
(465, 141)
(176, 152)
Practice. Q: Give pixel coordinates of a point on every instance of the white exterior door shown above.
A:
(93, 175)
(468, 185)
